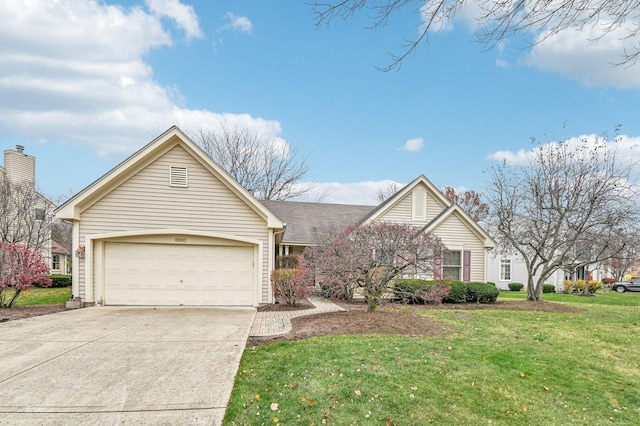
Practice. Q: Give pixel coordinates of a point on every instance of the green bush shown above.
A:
(58, 280)
(492, 283)
(516, 286)
(420, 291)
(458, 292)
(482, 292)
(548, 288)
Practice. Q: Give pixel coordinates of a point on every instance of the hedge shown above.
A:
(516, 286)
(58, 280)
(548, 288)
(414, 291)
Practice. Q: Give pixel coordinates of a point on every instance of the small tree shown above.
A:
(20, 268)
(469, 201)
(371, 256)
(26, 217)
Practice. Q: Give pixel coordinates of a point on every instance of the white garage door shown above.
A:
(190, 275)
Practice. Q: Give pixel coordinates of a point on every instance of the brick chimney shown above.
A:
(18, 166)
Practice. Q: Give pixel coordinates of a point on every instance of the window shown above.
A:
(55, 262)
(40, 214)
(419, 201)
(452, 265)
(505, 270)
(178, 176)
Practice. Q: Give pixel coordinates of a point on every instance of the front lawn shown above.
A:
(43, 296)
(607, 298)
(493, 367)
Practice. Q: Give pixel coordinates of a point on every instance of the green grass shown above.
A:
(493, 367)
(608, 298)
(42, 296)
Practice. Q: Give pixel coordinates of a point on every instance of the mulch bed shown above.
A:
(19, 312)
(389, 319)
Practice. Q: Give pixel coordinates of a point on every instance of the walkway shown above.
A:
(274, 323)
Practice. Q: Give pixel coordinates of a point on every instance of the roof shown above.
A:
(309, 222)
(58, 249)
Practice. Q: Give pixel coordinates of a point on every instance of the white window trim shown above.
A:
(461, 250)
(502, 278)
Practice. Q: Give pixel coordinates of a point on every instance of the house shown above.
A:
(509, 267)
(60, 259)
(419, 203)
(25, 214)
(168, 226)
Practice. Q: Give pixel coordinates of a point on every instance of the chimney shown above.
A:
(19, 167)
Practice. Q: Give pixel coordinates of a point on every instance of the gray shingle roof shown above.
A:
(307, 223)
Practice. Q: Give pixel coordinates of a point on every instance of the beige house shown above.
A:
(168, 226)
(419, 203)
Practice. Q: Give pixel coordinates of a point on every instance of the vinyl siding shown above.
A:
(146, 201)
(402, 211)
(454, 233)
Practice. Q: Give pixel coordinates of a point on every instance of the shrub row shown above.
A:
(579, 285)
(58, 280)
(432, 291)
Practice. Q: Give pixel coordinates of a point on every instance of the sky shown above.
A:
(85, 83)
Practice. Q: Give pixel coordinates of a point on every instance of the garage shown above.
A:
(177, 274)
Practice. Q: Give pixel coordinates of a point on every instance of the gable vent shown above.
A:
(419, 204)
(178, 176)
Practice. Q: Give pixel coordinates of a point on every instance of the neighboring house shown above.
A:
(60, 259)
(168, 226)
(419, 203)
(505, 268)
(25, 213)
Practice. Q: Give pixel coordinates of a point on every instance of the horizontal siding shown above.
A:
(402, 211)
(454, 233)
(146, 201)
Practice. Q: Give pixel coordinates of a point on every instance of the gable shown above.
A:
(148, 199)
(419, 205)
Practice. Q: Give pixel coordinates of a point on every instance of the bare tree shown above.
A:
(26, 217)
(387, 191)
(559, 210)
(470, 202)
(267, 167)
(626, 252)
(498, 19)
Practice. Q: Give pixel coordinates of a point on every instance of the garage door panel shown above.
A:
(163, 274)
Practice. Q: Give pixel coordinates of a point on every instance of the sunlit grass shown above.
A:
(602, 298)
(494, 367)
(42, 296)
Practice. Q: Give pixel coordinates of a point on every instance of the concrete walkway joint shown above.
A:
(275, 323)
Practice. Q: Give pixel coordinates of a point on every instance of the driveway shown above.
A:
(117, 365)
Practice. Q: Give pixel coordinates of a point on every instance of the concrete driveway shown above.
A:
(117, 365)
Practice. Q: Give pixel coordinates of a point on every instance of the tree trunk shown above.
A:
(534, 291)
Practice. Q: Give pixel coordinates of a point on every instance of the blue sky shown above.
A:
(83, 84)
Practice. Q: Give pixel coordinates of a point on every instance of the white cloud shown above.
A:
(238, 23)
(627, 148)
(587, 56)
(359, 193)
(74, 71)
(413, 145)
(183, 15)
